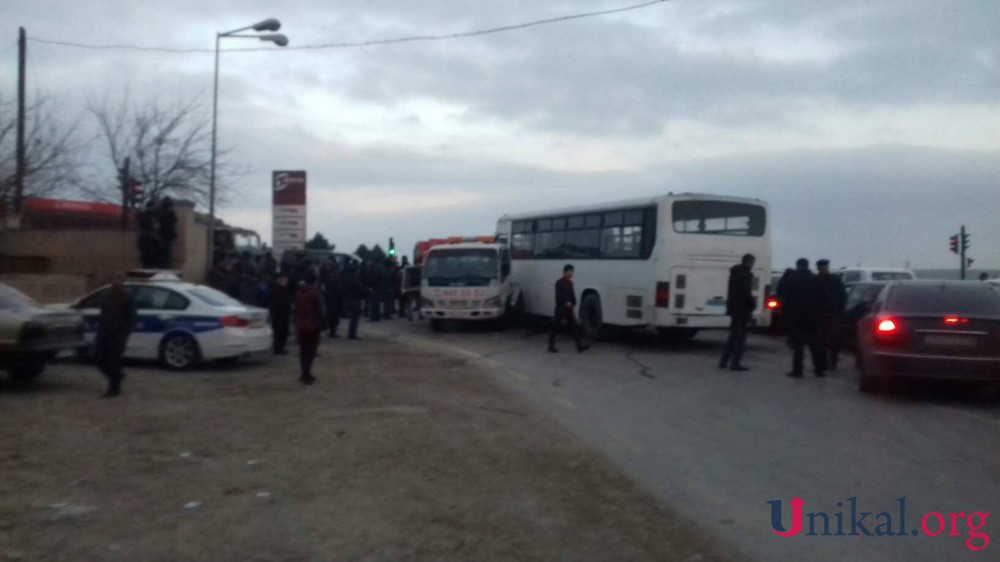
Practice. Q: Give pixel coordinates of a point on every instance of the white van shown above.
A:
(861, 274)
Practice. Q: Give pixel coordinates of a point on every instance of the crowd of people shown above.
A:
(313, 296)
(813, 305)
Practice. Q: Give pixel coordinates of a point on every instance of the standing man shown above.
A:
(281, 312)
(739, 306)
(353, 290)
(332, 296)
(118, 317)
(565, 302)
(308, 325)
(834, 298)
(803, 303)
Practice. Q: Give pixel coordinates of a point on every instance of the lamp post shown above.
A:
(270, 24)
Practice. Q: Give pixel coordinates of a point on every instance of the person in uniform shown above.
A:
(332, 296)
(834, 298)
(740, 305)
(354, 291)
(565, 303)
(114, 325)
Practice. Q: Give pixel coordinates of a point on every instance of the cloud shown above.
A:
(869, 127)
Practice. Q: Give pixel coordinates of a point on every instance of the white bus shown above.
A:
(661, 262)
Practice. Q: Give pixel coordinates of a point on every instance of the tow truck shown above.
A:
(464, 279)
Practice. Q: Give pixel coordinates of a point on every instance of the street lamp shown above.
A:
(279, 39)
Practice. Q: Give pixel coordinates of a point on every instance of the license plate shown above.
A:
(950, 341)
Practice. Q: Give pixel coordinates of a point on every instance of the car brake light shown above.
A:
(955, 320)
(886, 326)
(234, 322)
(662, 295)
(773, 304)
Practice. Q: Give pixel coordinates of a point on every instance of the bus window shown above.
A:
(621, 241)
(522, 241)
(549, 244)
(718, 217)
(583, 243)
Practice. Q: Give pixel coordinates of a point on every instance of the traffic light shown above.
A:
(954, 244)
(392, 248)
(136, 191)
(965, 241)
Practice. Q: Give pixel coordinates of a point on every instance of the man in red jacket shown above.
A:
(308, 324)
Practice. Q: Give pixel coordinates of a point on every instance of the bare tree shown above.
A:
(169, 147)
(52, 151)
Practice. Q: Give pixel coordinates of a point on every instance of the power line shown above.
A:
(369, 43)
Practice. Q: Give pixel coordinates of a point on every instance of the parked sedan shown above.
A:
(181, 324)
(930, 329)
(31, 335)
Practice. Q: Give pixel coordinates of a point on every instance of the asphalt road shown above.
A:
(717, 445)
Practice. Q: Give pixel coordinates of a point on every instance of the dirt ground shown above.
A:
(395, 454)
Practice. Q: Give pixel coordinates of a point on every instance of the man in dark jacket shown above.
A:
(740, 305)
(308, 325)
(803, 302)
(118, 317)
(281, 312)
(565, 303)
(353, 290)
(332, 296)
(834, 300)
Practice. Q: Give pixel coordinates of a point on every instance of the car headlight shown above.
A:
(495, 302)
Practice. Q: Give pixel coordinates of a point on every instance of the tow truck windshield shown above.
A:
(461, 268)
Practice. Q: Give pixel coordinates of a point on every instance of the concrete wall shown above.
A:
(94, 255)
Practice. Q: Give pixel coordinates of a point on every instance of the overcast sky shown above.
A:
(871, 127)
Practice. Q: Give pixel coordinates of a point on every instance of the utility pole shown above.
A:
(20, 165)
(123, 179)
(962, 243)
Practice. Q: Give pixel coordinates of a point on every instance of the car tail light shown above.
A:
(662, 295)
(773, 304)
(955, 320)
(886, 327)
(234, 322)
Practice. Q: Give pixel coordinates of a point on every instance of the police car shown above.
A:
(182, 324)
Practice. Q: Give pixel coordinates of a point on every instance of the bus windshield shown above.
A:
(462, 268)
(719, 218)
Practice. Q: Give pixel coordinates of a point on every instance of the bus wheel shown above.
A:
(437, 325)
(591, 317)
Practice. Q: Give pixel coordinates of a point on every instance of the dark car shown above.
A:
(772, 304)
(860, 297)
(930, 330)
